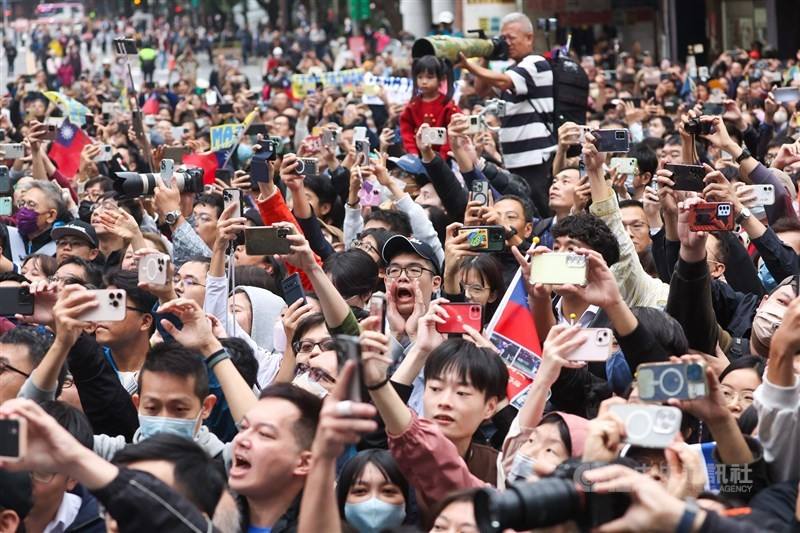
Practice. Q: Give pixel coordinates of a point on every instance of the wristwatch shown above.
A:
(743, 215)
(172, 217)
(744, 155)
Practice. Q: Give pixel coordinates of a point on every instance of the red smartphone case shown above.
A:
(711, 216)
(460, 314)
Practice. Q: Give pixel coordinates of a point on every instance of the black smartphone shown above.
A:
(293, 289)
(15, 301)
(713, 108)
(226, 107)
(259, 168)
(617, 141)
(687, 177)
(348, 348)
(125, 47)
(5, 182)
(256, 129)
(224, 174)
(13, 439)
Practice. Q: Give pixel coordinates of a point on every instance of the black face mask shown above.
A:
(85, 209)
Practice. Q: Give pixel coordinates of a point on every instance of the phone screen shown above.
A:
(10, 438)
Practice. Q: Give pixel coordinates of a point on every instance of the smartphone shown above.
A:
(349, 349)
(225, 107)
(687, 177)
(765, 194)
(362, 151)
(13, 439)
(461, 314)
(256, 129)
(111, 306)
(476, 124)
(711, 216)
(224, 174)
(153, 269)
(330, 138)
(658, 382)
(5, 181)
(125, 47)
(6, 206)
(625, 165)
(167, 172)
(558, 268)
(106, 151)
(649, 426)
(435, 136)
(485, 238)
(12, 150)
(377, 307)
(635, 100)
(293, 289)
(617, 141)
(51, 131)
(15, 301)
(713, 108)
(259, 168)
(480, 191)
(786, 95)
(233, 196)
(176, 153)
(596, 345)
(267, 240)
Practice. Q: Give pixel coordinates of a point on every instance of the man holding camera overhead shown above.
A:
(526, 131)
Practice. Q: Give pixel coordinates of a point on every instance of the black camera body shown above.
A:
(694, 126)
(554, 500)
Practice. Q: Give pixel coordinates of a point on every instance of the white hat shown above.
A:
(277, 51)
(446, 17)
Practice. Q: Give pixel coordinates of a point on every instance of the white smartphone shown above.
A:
(153, 269)
(54, 121)
(359, 133)
(476, 124)
(625, 165)
(167, 172)
(765, 194)
(435, 136)
(649, 426)
(105, 153)
(233, 196)
(12, 150)
(111, 306)
(557, 268)
(211, 98)
(596, 345)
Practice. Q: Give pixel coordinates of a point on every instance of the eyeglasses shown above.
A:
(314, 373)
(636, 226)
(412, 271)
(365, 246)
(186, 282)
(307, 346)
(730, 395)
(30, 204)
(5, 366)
(473, 289)
(66, 280)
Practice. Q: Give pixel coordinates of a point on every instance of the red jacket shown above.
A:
(436, 114)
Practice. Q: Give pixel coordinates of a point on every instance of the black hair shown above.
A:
(748, 420)
(753, 362)
(631, 203)
(723, 249)
(243, 358)
(458, 496)
(106, 184)
(254, 276)
(592, 231)
(71, 419)
(47, 263)
(785, 224)
(198, 477)
(310, 321)
(490, 270)
(128, 280)
(528, 209)
(308, 405)
(172, 358)
(212, 200)
(481, 367)
(646, 158)
(779, 141)
(13, 276)
(439, 220)
(669, 125)
(563, 429)
(398, 221)
(654, 143)
(199, 259)
(354, 468)
(93, 273)
(326, 192)
(667, 331)
(352, 272)
(380, 235)
(674, 139)
(38, 343)
(438, 67)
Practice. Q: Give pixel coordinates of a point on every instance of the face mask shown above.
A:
(244, 153)
(279, 337)
(152, 425)
(374, 515)
(305, 382)
(27, 221)
(521, 468)
(768, 317)
(85, 210)
(780, 116)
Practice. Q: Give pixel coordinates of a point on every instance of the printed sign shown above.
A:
(224, 136)
(346, 79)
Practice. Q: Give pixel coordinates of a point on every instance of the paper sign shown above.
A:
(346, 79)
(397, 90)
(224, 136)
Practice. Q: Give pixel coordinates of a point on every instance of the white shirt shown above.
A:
(585, 319)
(67, 512)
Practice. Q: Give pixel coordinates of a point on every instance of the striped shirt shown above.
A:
(525, 130)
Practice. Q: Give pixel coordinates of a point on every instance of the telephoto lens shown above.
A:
(133, 184)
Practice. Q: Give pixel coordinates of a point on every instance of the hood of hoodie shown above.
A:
(578, 428)
(267, 308)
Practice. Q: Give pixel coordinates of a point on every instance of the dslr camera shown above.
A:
(134, 184)
(694, 126)
(562, 497)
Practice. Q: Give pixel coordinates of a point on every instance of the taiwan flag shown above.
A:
(65, 151)
(513, 332)
(208, 162)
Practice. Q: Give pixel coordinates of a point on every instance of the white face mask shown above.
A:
(304, 381)
(279, 337)
(780, 116)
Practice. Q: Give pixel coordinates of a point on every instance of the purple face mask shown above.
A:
(27, 221)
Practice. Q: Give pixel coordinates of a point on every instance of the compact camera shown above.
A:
(307, 166)
(694, 126)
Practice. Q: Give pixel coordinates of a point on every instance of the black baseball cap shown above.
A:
(76, 228)
(16, 492)
(398, 244)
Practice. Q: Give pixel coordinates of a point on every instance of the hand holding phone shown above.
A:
(460, 315)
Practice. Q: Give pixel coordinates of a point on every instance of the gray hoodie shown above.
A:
(267, 308)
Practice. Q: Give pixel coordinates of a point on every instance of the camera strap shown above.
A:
(231, 281)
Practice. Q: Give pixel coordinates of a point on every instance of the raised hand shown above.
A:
(196, 332)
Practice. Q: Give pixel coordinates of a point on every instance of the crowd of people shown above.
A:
(261, 338)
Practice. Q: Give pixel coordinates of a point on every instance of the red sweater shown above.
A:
(435, 114)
